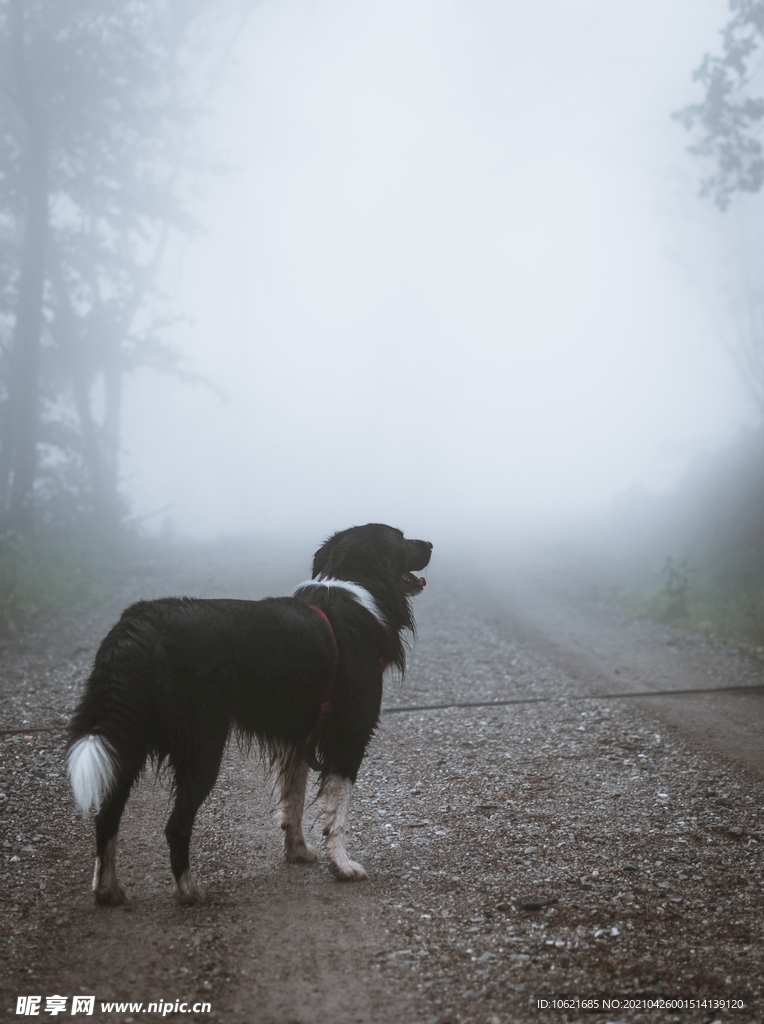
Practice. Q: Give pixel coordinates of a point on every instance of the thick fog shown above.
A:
(456, 271)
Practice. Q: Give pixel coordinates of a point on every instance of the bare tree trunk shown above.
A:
(112, 421)
(66, 331)
(24, 383)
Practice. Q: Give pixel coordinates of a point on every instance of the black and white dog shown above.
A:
(300, 675)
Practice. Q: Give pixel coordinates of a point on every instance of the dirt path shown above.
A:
(646, 836)
(571, 619)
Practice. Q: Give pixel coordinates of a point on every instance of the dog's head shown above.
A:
(374, 554)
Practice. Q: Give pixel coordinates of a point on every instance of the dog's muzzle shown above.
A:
(420, 557)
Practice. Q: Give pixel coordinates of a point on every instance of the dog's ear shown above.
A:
(367, 554)
(343, 554)
(320, 562)
(322, 557)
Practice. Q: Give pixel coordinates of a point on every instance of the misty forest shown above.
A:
(491, 273)
(108, 164)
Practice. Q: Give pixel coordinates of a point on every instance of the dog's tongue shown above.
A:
(416, 583)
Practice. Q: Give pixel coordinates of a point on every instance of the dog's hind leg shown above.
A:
(195, 776)
(337, 793)
(106, 888)
(291, 782)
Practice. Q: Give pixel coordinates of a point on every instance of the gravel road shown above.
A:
(570, 844)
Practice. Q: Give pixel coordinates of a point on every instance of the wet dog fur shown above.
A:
(176, 676)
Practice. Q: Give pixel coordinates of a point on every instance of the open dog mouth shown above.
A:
(414, 584)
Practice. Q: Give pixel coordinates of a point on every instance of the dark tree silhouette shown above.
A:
(730, 120)
(730, 117)
(94, 110)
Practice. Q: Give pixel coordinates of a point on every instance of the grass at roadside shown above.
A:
(696, 599)
(56, 572)
(694, 556)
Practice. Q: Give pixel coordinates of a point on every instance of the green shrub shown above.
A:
(50, 573)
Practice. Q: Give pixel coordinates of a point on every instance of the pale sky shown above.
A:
(451, 275)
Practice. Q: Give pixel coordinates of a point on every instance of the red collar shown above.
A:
(328, 621)
(325, 710)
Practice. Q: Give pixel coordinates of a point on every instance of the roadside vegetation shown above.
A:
(57, 572)
(49, 573)
(698, 553)
(695, 557)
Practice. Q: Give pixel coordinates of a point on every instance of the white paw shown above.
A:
(188, 892)
(301, 853)
(348, 870)
(112, 895)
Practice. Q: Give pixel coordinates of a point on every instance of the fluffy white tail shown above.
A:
(91, 765)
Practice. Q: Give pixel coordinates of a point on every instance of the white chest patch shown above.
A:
(361, 594)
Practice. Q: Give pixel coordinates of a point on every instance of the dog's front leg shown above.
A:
(292, 780)
(338, 793)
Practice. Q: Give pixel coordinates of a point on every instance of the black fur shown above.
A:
(175, 676)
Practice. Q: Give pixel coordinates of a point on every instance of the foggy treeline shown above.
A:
(709, 527)
(97, 107)
(434, 291)
(95, 110)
